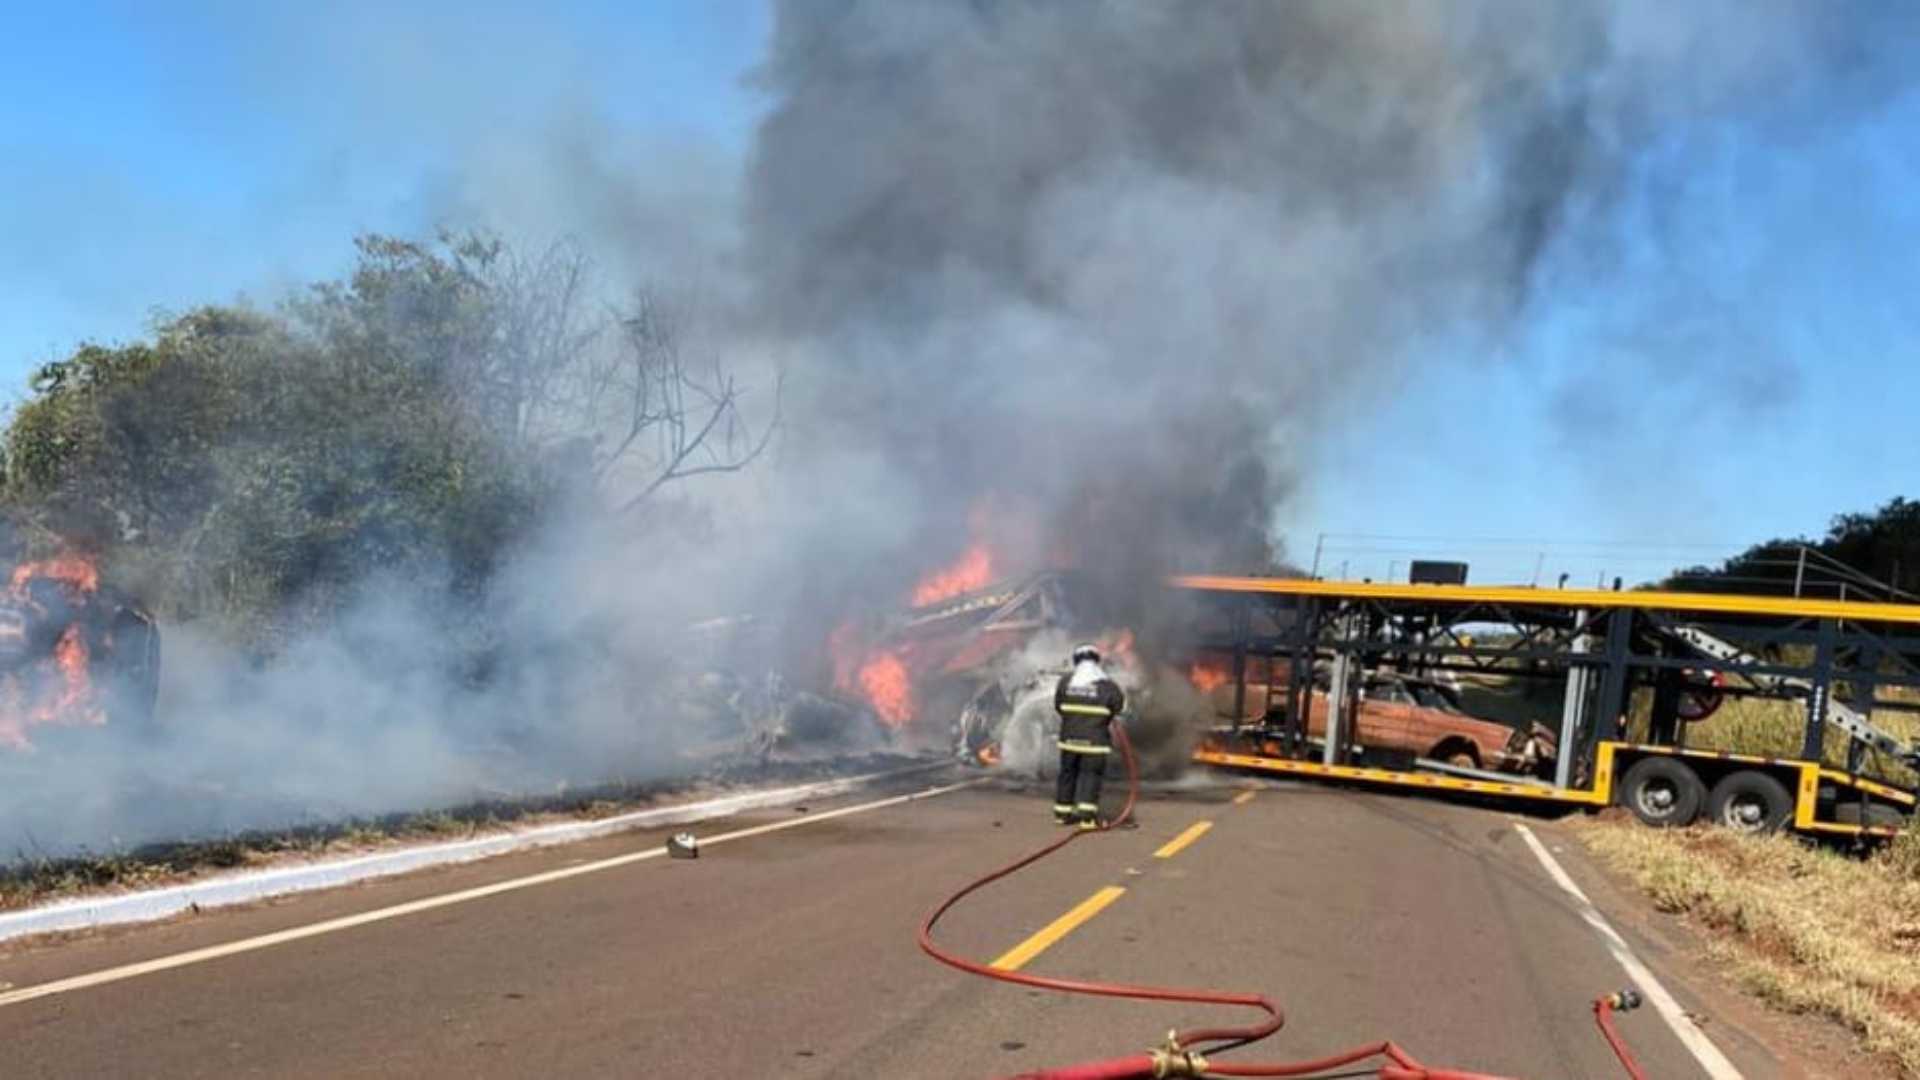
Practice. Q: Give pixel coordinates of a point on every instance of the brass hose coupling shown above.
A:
(1625, 1001)
(1169, 1061)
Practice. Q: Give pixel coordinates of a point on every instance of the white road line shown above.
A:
(249, 886)
(1711, 1059)
(414, 907)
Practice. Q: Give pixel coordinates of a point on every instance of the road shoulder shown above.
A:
(1762, 1042)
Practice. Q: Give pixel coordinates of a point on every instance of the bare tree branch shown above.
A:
(545, 373)
(725, 408)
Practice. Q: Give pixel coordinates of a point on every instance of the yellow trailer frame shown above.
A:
(1520, 595)
(1803, 777)
(1808, 776)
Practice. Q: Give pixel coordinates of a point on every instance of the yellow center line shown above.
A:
(1243, 798)
(1015, 958)
(1179, 843)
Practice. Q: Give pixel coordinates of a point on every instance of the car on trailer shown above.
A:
(1684, 651)
(1413, 714)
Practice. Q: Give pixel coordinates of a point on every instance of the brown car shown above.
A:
(1418, 716)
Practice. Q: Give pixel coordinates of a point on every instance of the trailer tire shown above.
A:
(1750, 802)
(1878, 815)
(1662, 792)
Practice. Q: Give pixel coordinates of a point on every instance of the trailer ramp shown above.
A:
(1838, 713)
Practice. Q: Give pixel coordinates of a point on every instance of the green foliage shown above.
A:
(418, 418)
(1868, 556)
(249, 465)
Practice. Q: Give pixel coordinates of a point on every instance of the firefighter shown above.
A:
(1088, 701)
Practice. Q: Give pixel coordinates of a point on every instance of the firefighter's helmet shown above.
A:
(1083, 654)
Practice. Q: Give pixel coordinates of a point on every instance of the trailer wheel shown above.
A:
(1750, 802)
(1878, 815)
(1662, 792)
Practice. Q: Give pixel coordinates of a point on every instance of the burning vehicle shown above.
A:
(975, 670)
(73, 653)
(1401, 713)
(731, 687)
(965, 666)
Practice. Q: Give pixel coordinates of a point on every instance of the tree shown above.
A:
(677, 421)
(1863, 556)
(541, 366)
(422, 415)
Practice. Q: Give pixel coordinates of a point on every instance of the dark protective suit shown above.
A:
(1087, 701)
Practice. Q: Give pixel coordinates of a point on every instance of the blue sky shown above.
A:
(1748, 369)
(152, 157)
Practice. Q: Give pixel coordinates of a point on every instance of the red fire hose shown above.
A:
(1603, 1009)
(1184, 1054)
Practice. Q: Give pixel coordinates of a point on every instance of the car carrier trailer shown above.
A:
(1836, 658)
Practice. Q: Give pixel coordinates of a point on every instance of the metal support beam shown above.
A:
(1339, 700)
(1242, 618)
(1664, 728)
(1300, 683)
(1573, 707)
(1820, 691)
(1613, 687)
(1865, 675)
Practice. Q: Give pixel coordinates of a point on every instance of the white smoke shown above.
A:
(1121, 265)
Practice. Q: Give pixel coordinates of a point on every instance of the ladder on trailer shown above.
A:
(1837, 713)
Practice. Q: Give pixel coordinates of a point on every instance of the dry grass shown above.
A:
(1745, 725)
(1775, 729)
(1806, 929)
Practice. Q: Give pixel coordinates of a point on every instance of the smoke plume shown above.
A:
(1125, 263)
(1088, 281)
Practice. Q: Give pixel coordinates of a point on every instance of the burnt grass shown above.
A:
(31, 880)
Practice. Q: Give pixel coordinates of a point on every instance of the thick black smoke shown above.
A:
(1112, 271)
(1125, 261)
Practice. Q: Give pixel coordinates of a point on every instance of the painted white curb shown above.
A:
(248, 886)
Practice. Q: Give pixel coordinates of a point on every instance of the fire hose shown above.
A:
(1185, 1053)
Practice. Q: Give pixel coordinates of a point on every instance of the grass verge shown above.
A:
(1804, 928)
(37, 881)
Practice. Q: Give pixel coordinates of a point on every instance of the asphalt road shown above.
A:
(791, 954)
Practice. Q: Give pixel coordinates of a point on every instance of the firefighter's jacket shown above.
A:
(1087, 700)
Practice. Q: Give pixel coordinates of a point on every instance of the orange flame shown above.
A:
(1206, 677)
(884, 679)
(877, 675)
(58, 689)
(67, 569)
(990, 754)
(74, 701)
(973, 570)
